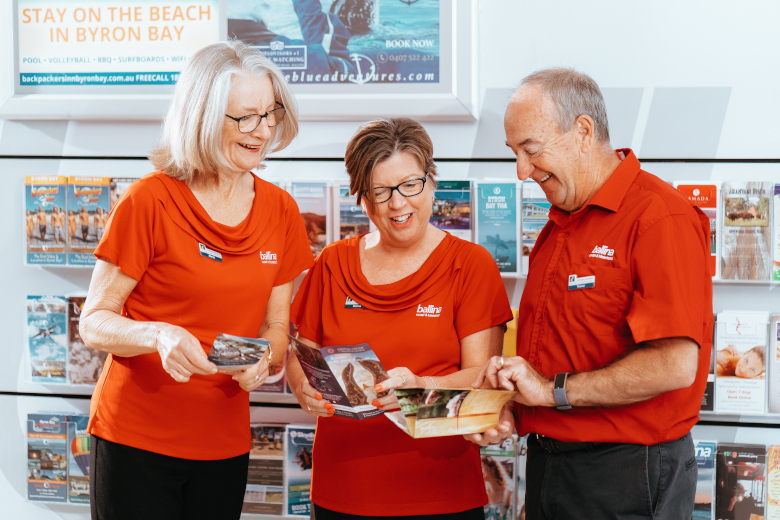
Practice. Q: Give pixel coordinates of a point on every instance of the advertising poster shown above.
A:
(452, 208)
(313, 204)
(47, 457)
(747, 237)
(705, 485)
(705, 197)
(92, 42)
(497, 222)
(300, 440)
(44, 208)
(47, 338)
(324, 42)
(88, 208)
(536, 213)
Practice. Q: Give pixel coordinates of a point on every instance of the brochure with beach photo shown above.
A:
(264, 492)
(452, 208)
(237, 353)
(747, 231)
(497, 222)
(704, 195)
(45, 219)
(343, 375)
(47, 338)
(535, 214)
(439, 412)
(88, 207)
(741, 481)
(741, 361)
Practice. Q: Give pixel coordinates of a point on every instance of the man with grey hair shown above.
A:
(615, 327)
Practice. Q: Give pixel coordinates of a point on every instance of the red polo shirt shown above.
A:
(648, 249)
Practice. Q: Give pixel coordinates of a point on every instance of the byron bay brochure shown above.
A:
(438, 412)
(343, 375)
(237, 353)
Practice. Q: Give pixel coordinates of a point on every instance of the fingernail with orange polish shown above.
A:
(318, 397)
(374, 403)
(378, 388)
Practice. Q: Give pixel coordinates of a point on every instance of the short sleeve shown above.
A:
(297, 255)
(306, 310)
(672, 280)
(129, 238)
(481, 302)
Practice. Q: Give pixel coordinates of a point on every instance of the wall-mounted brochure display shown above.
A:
(497, 222)
(89, 42)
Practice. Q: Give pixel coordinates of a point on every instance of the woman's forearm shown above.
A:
(294, 374)
(107, 331)
(277, 335)
(459, 379)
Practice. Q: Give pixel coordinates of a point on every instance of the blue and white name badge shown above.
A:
(209, 253)
(582, 282)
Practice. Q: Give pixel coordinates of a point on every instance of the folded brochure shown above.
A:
(235, 352)
(438, 412)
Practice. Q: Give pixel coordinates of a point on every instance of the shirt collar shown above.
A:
(612, 192)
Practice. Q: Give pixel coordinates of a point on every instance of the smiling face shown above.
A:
(750, 365)
(401, 221)
(544, 154)
(248, 95)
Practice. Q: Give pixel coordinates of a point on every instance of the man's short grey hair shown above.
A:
(574, 94)
(190, 147)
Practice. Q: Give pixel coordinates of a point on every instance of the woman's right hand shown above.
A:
(311, 401)
(181, 353)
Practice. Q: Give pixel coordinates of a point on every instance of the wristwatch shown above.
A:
(559, 391)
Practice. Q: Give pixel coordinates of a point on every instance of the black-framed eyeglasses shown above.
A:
(408, 188)
(248, 124)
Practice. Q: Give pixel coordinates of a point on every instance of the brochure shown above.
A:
(237, 353)
(276, 381)
(776, 228)
(773, 381)
(522, 454)
(44, 206)
(705, 485)
(84, 364)
(439, 412)
(740, 373)
(349, 220)
(47, 457)
(343, 375)
(78, 459)
(773, 483)
(298, 464)
(497, 222)
(499, 471)
(747, 236)
(47, 338)
(704, 195)
(536, 213)
(117, 187)
(265, 478)
(452, 208)
(88, 208)
(741, 481)
(314, 206)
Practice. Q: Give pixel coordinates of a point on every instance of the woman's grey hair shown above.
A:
(574, 94)
(190, 147)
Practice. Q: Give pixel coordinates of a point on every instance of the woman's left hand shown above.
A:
(400, 377)
(497, 435)
(252, 377)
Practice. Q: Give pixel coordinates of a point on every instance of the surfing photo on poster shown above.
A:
(343, 41)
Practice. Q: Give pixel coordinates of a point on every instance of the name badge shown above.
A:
(209, 253)
(352, 304)
(582, 282)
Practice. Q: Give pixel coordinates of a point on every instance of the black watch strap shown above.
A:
(559, 391)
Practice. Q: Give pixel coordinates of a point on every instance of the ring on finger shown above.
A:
(403, 381)
(309, 407)
(501, 362)
(257, 379)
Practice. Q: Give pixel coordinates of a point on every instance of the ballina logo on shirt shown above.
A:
(430, 311)
(268, 257)
(602, 252)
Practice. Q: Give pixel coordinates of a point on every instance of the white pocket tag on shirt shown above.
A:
(583, 282)
(209, 253)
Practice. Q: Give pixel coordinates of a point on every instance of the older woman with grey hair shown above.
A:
(200, 247)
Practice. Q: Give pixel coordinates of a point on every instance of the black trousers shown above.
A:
(132, 484)
(612, 481)
(320, 513)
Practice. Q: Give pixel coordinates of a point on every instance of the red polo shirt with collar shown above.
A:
(648, 249)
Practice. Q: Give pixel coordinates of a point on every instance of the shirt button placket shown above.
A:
(544, 294)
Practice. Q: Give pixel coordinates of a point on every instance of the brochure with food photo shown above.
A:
(438, 412)
(344, 375)
(237, 353)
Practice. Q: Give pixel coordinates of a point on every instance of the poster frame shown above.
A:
(456, 99)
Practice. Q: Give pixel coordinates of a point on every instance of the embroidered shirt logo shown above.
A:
(352, 304)
(602, 252)
(268, 257)
(429, 312)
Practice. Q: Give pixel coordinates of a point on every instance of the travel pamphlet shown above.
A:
(774, 364)
(773, 483)
(705, 196)
(47, 457)
(45, 220)
(314, 205)
(298, 464)
(741, 481)
(452, 208)
(740, 371)
(276, 381)
(78, 459)
(439, 412)
(705, 485)
(499, 471)
(747, 231)
(497, 222)
(776, 229)
(708, 398)
(47, 338)
(117, 187)
(237, 353)
(84, 364)
(343, 375)
(265, 478)
(348, 218)
(536, 213)
(88, 207)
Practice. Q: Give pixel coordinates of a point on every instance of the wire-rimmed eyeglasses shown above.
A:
(248, 124)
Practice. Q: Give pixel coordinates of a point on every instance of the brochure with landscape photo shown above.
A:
(265, 478)
(237, 353)
(47, 338)
(47, 457)
(438, 412)
(298, 463)
(747, 231)
(452, 208)
(348, 218)
(344, 375)
(535, 214)
(78, 459)
(705, 484)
